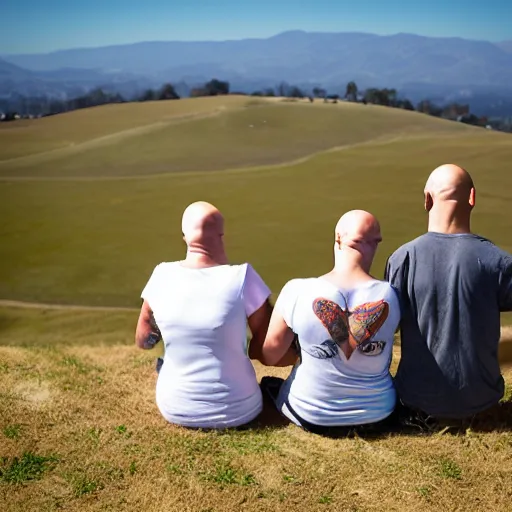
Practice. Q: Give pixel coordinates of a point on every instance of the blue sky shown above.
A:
(36, 26)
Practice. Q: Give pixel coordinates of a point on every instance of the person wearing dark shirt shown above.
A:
(452, 285)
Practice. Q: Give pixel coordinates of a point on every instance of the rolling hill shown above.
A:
(93, 198)
(197, 135)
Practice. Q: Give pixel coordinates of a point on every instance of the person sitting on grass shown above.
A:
(200, 307)
(453, 284)
(345, 323)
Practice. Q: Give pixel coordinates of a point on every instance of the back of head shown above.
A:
(449, 183)
(358, 231)
(203, 228)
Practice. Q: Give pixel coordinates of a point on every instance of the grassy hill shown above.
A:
(198, 135)
(91, 201)
(88, 226)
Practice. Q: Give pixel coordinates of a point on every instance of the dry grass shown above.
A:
(87, 415)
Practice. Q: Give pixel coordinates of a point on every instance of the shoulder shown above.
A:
(251, 280)
(503, 260)
(296, 285)
(165, 267)
(247, 270)
(412, 244)
(406, 249)
(291, 291)
(493, 256)
(388, 292)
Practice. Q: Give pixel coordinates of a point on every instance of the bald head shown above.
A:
(358, 230)
(202, 224)
(449, 182)
(449, 199)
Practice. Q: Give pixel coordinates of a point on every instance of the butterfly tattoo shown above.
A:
(350, 330)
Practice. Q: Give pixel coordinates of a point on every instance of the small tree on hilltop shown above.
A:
(283, 89)
(318, 92)
(216, 87)
(148, 95)
(295, 92)
(167, 92)
(427, 107)
(351, 91)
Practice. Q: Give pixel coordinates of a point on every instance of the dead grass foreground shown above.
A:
(79, 430)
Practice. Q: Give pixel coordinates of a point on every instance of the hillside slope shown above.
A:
(200, 134)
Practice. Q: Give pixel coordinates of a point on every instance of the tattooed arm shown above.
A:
(147, 334)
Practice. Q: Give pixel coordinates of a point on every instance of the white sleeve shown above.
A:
(149, 291)
(255, 292)
(286, 301)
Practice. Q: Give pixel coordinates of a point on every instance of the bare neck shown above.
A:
(350, 269)
(203, 258)
(449, 220)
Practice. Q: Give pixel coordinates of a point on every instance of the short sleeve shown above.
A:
(286, 301)
(396, 270)
(149, 290)
(255, 292)
(505, 284)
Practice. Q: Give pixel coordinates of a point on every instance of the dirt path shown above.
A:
(104, 140)
(71, 307)
(377, 141)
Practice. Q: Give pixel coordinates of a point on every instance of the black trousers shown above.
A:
(271, 385)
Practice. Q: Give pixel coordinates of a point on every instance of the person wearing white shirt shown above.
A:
(345, 323)
(200, 307)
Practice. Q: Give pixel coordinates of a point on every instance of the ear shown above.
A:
(472, 197)
(429, 202)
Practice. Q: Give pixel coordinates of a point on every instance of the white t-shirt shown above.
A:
(207, 380)
(343, 377)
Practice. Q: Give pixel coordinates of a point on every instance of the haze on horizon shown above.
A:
(32, 26)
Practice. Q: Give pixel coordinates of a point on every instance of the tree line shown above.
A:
(20, 106)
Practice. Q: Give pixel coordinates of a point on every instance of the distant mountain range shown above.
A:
(505, 45)
(416, 65)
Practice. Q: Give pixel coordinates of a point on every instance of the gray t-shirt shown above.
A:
(452, 289)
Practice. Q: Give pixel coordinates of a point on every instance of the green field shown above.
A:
(91, 201)
(73, 232)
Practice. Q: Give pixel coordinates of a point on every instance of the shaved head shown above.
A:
(202, 225)
(356, 238)
(449, 199)
(449, 182)
(357, 227)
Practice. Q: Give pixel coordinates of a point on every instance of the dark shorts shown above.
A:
(271, 385)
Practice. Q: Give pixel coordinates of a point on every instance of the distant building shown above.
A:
(455, 112)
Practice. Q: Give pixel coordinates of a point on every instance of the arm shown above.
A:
(505, 285)
(277, 349)
(147, 334)
(258, 324)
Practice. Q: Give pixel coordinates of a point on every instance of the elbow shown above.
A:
(259, 355)
(143, 342)
(267, 359)
(139, 343)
